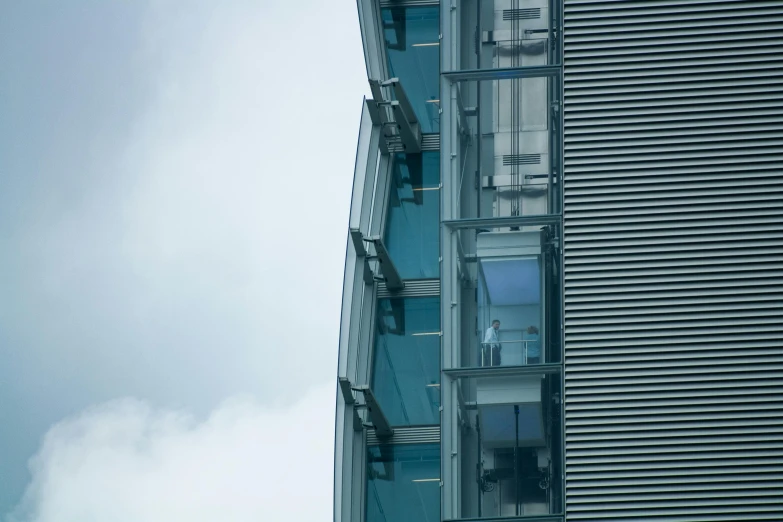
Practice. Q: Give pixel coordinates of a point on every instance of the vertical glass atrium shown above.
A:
(451, 345)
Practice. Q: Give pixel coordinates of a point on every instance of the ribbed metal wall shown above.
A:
(673, 241)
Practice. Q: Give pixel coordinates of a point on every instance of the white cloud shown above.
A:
(125, 461)
(188, 253)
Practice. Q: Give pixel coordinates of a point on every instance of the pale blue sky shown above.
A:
(174, 189)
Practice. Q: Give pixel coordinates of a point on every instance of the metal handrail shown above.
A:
(519, 341)
(490, 344)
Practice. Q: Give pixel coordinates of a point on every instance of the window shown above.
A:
(511, 309)
(406, 360)
(412, 43)
(413, 222)
(403, 483)
(511, 441)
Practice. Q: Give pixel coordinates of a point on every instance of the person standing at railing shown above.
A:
(490, 348)
(533, 345)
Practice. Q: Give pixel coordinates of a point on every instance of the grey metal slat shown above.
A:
(673, 267)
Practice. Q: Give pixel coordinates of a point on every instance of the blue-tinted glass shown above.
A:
(414, 57)
(403, 483)
(413, 223)
(406, 360)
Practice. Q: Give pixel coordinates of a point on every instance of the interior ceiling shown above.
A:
(499, 424)
(512, 281)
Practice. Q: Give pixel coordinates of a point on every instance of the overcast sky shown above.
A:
(174, 187)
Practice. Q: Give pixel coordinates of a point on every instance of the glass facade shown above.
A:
(494, 321)
(513, 147)
(511, 453)
(511, 34)
(406, 360)
(412, 46)
(504, 327)
(413, 221)
(403, 483)
(511, 298)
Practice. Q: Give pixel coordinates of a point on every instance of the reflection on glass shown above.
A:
(412, 44)
(413, 223)
(516, 149)
(406, 360)
(514, 33)
(511, 443)
(403, 483)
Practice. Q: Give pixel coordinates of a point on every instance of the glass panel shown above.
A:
(513, 141)
(510, 460)
(403, 483)
(413, 223)
(514, 33)
(413, 48)
(511, 309)
(406, 360)
(509, 303)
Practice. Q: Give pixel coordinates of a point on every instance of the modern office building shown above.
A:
(564, 274)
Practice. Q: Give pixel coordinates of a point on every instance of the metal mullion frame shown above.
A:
(373, 40)
(375, 221)
(450, 306)
(381, 196)
(530, 518)
(502, 222)
(368, 209)
(349, 471)
(377, 227)
(502, 73)
(560, 6)
(451, 223)
(503, 371)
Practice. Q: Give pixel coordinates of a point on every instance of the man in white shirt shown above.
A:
(490, 348)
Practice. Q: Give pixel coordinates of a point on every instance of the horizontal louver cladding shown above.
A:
(413, 288)
(673, 246)
(428, 142)
(418, 435)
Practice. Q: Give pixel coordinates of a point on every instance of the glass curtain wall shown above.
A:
(412, 45)
(403, 478)
(510, 132)
(403, 483)
(506, 354)
(510, 33)
(406, 360)
(510, 440)
(511, 303)
(413, 222)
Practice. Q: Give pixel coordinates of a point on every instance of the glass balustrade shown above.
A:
(510, 313)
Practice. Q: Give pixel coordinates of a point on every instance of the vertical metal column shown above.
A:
(450, 294)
